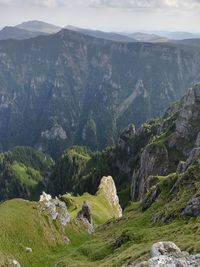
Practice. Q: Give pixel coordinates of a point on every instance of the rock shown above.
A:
(183, 166)
(45, 197)
(153, 162)
(167, 254)
(66, 240)
(193, 207)
(85, 215)
(56, 208)
(164, 248)
(107, 187)
(127, 134)
(14, 262)
(29, 250)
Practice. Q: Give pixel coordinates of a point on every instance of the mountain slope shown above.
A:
(22, 173)
(112, 36)
(70, 88)
(16, 33)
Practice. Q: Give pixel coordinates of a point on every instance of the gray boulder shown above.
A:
(193, 207)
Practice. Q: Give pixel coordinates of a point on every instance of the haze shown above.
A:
(108, 15)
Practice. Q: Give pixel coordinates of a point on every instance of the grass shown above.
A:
(22, 225)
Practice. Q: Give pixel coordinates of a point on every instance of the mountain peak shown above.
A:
(38, 26)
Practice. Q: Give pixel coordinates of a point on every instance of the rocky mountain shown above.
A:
(112, 36)
(158, 148)
(69, 88)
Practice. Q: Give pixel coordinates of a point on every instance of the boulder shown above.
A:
(193, 207)
(167, 254)
(164, 248)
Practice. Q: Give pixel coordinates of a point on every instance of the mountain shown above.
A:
(17, 33)
(69, 88)
(158, 148)
(38, 26)
(112, 36)
(178, 35)
(147, 37)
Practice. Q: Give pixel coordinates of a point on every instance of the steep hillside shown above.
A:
(70, 88)
(41, 233)
(159, 147)
(23, 173)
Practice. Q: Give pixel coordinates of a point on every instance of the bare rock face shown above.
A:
(186, 124)
(167, 254)
(154, 161)
(107, 187)
(56, 209)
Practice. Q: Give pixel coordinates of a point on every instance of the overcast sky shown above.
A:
(124, 15)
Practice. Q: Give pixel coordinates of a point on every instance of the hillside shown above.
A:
(32, 225)
(51, 86)
(23, 173)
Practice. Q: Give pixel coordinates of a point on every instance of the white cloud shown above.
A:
(133, 4)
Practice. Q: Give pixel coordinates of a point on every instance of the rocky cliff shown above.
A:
(69, 88)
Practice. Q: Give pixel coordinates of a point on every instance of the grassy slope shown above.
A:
(21, 225)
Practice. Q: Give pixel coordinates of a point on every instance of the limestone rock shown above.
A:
(167, 254)
(14, 263)
(164, 248)
(193, 207)
(154, 161)
(86, 217)
(28, 250)
(107, 187)
(56, 208)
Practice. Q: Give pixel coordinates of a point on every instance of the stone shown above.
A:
(193, 207)
(167, 254)
(28, 250)
(108, 188)
(14, 262)
(164, 248)
(56, 208)
(86, 217)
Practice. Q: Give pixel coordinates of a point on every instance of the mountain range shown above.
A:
(69, 88)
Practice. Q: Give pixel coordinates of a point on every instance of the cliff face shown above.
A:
(69, 88)
(174, 147)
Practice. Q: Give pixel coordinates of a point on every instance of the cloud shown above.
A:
(119, 4)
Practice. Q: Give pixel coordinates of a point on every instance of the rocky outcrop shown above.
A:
(154, 161)
(55, 208)
(85, 215)
(193, 207)
(108, 189)
(167, 254)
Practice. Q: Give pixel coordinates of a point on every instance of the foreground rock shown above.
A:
(108, 188)
(85, 215)
(167, 254)
(56, 209)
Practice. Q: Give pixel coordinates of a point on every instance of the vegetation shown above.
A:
(22, 173)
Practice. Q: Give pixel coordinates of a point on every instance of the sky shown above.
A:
(108, 15)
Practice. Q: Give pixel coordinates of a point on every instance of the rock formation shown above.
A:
(167, 254)
(108, 189)
(55, 208)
